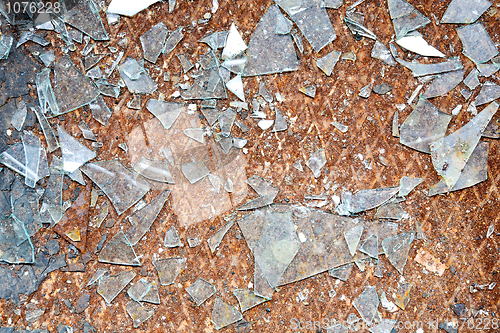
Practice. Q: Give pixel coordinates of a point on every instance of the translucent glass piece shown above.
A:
(171, 5)
(259, 202)
(152, 296)
(312, 20)
(395, 125)
(407, 184)
(428, 69)
(209, 85)
(119, 251)
(84, 15)
(247, 299)
(488, 69)
(216, 40)
(156, 170)
(110, 286)
(200, 291)
(45, 92)
(103, 213)
(368, 199)
(94, 73)
(74, 153)
(396, 249)
(392, 211)
(358, 29)
(226, 120)
(370, 246)
(381, 52)
(224, 314)
(5, 45)
(194, 171)
(144, 84)
(216, 239)
(403, 295)
(86, 131)
(185, 63)
(262, 186)
(423, 126)
(237, 64)
(100, 110)
(122, 186)
(367, 304)
(399, 8)
(297, 39)
(153, 40)
(172, 40)
(343, 272)
(135, 103)
(489, 92)
(168, 269)
(24, 207)
(171, 238)
(414, 20)
(31, 144)
(235, 45)
(97, 276)
(472, 81)
(444, 83)
(477, 44)
(337, 328)
(46, 57)
(341, 127)
(385, 326)
(235, 86)
(52, 197)
(316, 162)
(91, 60)
(464, 11)
(72, 89)
(138, 313)
(451, 153)
(352, 237)
(166, 112)
(264, 92)
(129, 7)
(364, 92)
(139, 289)
(15, 244)
(417, 44)
(142, 219)
(280, 123)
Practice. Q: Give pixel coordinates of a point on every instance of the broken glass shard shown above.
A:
(264, 92)
(224, 314)
(139, 289)
(172, 40)
(226, 120)
(185, 63)
(91, 60)
(488, 69)
(122, 186)
(24, 207)
(94, 73)
(97, 276)
(144, 84)
(142, 219)
(403, 295)
(138, 313)
(5, 45)
(86, 131)
(45, 92)
(169, 268)
(396, 249)
(352, 237)
(464, 11)
(395, 125)
(135, 103)
(72, 89)
(216, 239)
(341, 127)
(357, 28)
(108, 89)
(110, 286)
(385, 326)
(380, 52)
(171, 238)
(489, 92)
(262, 186)
(417, 44)
(200, 291)
(73, 152)
(392, 211)
(235, 85)
(451, 153)
(119, 251)
(194, 171)
(103, 213)
(399, 8)
(152, 296)
(259, 202)
(382, 89)
(247, 299)
(85, 17)
(31, 144)
(216, 40)
(297, 39)
(156, 170)
(367, 304)
(115, 63)
(316, 162)
(128, 7)
(19, 117)
(237, 64)
(365, 92)
(343, 272)
(208, 85)
(472, 81)
(444, 83)
(423, 126)
(428, 69)
(477, 44)
(407, 184)
(337, 328)
(309, 91)
(15, 243)
(266, 124)
(368, 199)
(409, 22)
(152, 42)
(47, 57)
(370, 246)
(166, 112)
(171, 5)
(280, 123)
(235, 45)
(52, 197)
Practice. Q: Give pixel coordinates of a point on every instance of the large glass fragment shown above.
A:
(465, 11)
(141, 220)
(171, 238)
(50, 137)
(343, 272)
(110, 286)
(407, 184)
(172, 40)
(119, 251)
(72, 89)
(194, 171)
(477, 44)
(100, 110)
(46, 97)
(472, 81)
(208, 85)
(370, 246)
(143, 84)
(200, 291)
(416, 43)
(19, 117)
(235, 85)
(31, 144)
(316, 162)
(451, 153)
(352, 238)
(423, 126)
(168, 269)
(129, 7)
(138, 313)
(216, 239)
(152, 296)
(15, 159)
(235, 45)
(5, 45)
(166, 112)
(396, 249)
(247, 299)
(122, 186)
(52, 197)
(367, 199)
(15, 243)
(367, 304)
(489, 92)
(428, 69)
(380, 52)
(152, 42)
(139, 289)
(73, 152)
(224, 314)
(84, 15)
(391, 211)
(156, 170)
(405, 17)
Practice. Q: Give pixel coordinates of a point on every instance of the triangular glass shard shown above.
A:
(451, 153)
(72, 89)
(142, 219)
(297, 165)
(15, 243)
(465, 11)
(171, 5)
(235, 45)
(144, 84)
(280, 123)
(309, 90)
(264, 92)
(385, 326)
(169, 268)
(94, 73)
(166, 112)
(474, 172)
(352, 238)
(135, 103)
(370, 246)
(316, 162)
(194, 171)
(171, 238)
(86, 131)
(489, 92)
(216, 239)
(423, 126)
(262, 186)
(403, 295)
(74, 153)
(46, 97)
(357, 28)
(52, 197)
(444, 83)
(31, 144)
(139, 313)
(97, 276)
(414, 20)
(110, 286)
(224, 314)
(237, 64)
(283, 25)
(103, 213)
(185, 63)
(100, 110)
(172, 40)
(216, 40)
(119, 251)
(208, 85)
(472, 81)
(152, 296)
(84, 15)
(152, 41)
(368, 199)
(367, 304)
(122, 186)
(415, 43)
(139, 289)
(427, 69)
(200, 291)
(235, 85)
(396, 249)
(365, 92)
(156, 170)
(91, 60)
(477, 44)
(259, 202)
(277, 246)
(261, 286)
(337, 328)
(226, 121)
(381, 52)
(128, 8)
(269, 52)
(247, 299)
(343, 272)
(19, 117)
(407, 184)
(47, 57)
(392, 211)
(399, 8)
